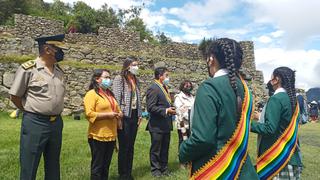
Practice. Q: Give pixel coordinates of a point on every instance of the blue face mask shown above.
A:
(106, 83)
(166, 81)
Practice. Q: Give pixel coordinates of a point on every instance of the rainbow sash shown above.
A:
(229, 160)
(271, 162)
(166, 94)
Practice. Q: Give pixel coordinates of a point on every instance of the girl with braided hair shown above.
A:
(281, 120)
(217, 146)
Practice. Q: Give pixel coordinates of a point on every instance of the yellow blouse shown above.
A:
(101, 130)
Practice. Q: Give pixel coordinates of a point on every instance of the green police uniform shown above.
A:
(42, 96)
(213, 123)
(277, 118)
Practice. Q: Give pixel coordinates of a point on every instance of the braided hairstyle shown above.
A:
(287, 79)
(229, 55)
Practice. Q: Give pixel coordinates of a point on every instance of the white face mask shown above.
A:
(134, 70)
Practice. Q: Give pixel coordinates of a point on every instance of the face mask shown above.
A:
(134, 70)
(166, 81)
(187, 90)
(106, 83)
(59, 55)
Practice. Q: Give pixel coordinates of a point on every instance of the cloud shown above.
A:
(264, 39)
(298, 19)
(305, 62)
(202, 13)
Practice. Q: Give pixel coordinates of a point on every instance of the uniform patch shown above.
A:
(28, 64)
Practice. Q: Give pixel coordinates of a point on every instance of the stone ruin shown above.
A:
(108, 48)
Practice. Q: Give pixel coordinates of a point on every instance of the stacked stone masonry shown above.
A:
(109, 47)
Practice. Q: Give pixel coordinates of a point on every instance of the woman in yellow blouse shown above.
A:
(104, 116)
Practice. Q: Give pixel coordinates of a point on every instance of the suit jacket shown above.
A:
(157, 104)
(124, 96)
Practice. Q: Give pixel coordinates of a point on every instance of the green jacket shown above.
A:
(277, 118)
(213, 123)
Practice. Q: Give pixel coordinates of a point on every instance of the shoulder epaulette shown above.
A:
(28, 64)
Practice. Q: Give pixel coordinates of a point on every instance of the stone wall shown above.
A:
(109, 48)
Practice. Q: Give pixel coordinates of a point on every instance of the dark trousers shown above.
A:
(159, 152)
(127, 137)
(101, 153)
(40, 136)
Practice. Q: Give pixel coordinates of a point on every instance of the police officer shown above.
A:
(38, 90)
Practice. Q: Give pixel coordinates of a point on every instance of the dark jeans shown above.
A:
(159, 152)
(127, 137)
(101, 153)
(40, 136)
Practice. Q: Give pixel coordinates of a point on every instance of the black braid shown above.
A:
(229, 55)
(287, 77)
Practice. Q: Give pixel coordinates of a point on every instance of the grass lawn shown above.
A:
(75, 154)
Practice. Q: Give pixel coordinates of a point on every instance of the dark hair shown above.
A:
(229, 55)
(181, 87)
(287, 79)
(270, 89)
(159, 71)
(125, 69)
(93, 83)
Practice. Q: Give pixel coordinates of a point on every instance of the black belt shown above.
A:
(50, 117)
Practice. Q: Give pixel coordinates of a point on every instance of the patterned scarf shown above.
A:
(271, 162)
(229, 160)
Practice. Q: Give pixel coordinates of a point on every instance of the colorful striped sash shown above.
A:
(229, 160)
(164, 91)
(271, 162)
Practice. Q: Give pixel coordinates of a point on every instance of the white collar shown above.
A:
(279, 90)
(183, 95)
(221, 72)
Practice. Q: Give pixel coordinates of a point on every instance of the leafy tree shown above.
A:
(9, 7)
(84, 17)
(138, 25)
(61, 11)
(162, 38)
(107, 17)
(204, 46)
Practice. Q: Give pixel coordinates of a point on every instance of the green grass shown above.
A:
(75, 154)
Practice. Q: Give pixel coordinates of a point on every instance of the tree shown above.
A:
(204, 46)
(61, 11)
(107, 17)
(162, 38)
(138, 25)
(10, 7)
(84, 17)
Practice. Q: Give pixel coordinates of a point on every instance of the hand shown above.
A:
(139, 121)
(171, 111)
(120, 115)
(256, 115)
(113, 114)
(119, 123)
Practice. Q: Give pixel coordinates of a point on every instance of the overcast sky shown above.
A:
(285, 32)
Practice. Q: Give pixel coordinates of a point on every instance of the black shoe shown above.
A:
(156, 174)
(126, 177)
(166, 173)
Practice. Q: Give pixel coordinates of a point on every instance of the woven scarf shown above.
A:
(271, 162)
(227, 163)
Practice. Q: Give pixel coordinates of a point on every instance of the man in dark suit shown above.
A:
(160, 122)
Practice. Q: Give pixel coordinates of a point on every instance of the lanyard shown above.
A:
(111, 99)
